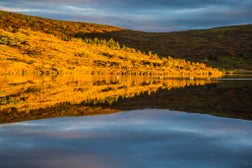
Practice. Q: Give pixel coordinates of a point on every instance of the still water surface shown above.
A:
(140, 138)
(149, 131)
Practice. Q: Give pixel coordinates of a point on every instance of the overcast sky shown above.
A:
(146, 15)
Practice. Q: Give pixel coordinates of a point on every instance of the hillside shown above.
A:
(43, 46)
(14, 21)
(224, 47)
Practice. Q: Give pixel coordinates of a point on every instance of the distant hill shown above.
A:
(227, 47)
(223, 47)
(56, 27)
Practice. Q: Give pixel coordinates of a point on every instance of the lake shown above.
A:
(125, 121)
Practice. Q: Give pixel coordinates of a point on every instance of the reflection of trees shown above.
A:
(227, 99)
(24, 93)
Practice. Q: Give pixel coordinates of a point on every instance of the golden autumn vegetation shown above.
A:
(51, 68)
(51, 96)
(27, 51)
(38, 45)
(223, 47)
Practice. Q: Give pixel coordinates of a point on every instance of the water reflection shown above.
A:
(140, 138)
(227, 98)
(33, 97)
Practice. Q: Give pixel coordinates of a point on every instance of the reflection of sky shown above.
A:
(141, 138)
(149, 15)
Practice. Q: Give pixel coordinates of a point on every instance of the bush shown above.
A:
(8, 41)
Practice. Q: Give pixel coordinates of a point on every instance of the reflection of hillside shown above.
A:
(227, 99)
(27, 93)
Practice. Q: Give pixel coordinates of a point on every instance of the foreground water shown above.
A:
(138, 133)
(140, 138)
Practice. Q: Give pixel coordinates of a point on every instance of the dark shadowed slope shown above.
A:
(224, 47)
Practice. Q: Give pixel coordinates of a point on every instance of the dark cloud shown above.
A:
(158, 15)
(131, 3)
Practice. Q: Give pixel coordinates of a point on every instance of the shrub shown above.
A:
(8, 41)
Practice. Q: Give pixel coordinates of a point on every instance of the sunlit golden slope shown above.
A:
(223, 47)
(14, 21)
(26, 51)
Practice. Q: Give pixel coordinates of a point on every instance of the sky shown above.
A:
(145, 15)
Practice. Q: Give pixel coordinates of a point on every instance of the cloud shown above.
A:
(131, 3)
(158, 15)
